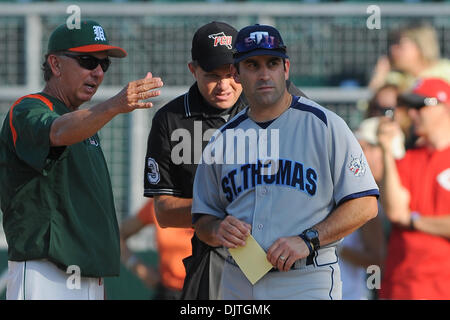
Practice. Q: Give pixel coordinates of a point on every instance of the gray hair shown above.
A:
(47, 70)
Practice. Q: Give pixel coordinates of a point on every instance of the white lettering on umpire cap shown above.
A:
(99, 33)
(222, 39)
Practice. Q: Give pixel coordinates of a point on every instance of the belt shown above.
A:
(301, 263)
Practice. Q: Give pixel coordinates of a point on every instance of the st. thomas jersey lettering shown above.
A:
(289, 173)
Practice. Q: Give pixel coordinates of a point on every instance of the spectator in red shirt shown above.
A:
(416, 197)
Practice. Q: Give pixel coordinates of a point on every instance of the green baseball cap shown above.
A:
(90, 37)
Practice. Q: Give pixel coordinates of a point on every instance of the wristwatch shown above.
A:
(414, 216)
(311, 237)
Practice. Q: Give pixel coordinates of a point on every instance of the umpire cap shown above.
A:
(212, 45)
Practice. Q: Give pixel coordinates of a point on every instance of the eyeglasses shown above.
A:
(89, 62)
(265, 42)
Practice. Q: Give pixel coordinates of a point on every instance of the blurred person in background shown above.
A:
(387, 102)
(414, 53)
(383, 101)
(56, 196)
(367, 245)
(415, 192)
(401, 116)
(173, 245)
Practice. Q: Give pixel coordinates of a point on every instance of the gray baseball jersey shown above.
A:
(283, 176)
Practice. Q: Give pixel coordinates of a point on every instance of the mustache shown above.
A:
(265, 84)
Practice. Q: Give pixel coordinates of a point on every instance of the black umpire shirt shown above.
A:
(176, 140)
(174, 147)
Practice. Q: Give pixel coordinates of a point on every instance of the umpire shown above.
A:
(180, 131)
(55, 191)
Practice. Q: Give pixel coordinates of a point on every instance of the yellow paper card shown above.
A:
(252, 260)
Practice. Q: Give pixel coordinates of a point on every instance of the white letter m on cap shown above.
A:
(99, 34)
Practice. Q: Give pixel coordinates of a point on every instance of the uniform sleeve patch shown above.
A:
(357, 166)
(153, 175)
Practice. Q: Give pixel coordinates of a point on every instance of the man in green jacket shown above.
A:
(55, 191)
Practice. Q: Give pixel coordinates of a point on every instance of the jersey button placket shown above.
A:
(264, 191)
(261, 214)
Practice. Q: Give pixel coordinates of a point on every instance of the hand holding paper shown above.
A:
(252, 260)
(232, 232)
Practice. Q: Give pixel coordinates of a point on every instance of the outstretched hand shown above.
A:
(133, 95)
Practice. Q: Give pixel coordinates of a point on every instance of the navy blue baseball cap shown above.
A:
(258, 40)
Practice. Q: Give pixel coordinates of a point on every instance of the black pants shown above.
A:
(165, 293)
(203, 271)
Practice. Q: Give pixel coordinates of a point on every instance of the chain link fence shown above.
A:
(329, 46)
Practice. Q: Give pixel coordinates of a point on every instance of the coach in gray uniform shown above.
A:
(314, 187)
